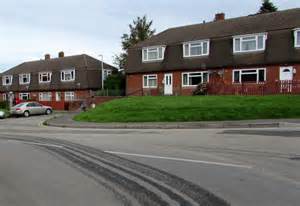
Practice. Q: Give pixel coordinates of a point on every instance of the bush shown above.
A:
(200, 90)
(4, 105)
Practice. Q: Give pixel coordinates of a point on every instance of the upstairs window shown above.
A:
(196, 48)
(45, 77)
(107, 73)
(153, 54)
(249, 75)
(150, 81)
(7, 80)
(24, 78)
(194, 78)
(297, 38)
(249, 43)
(68, 75)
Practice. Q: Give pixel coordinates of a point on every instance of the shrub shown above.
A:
(200, 90)
(4, 105)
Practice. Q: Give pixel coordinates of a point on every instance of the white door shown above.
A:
(168, 81)
(286, 73)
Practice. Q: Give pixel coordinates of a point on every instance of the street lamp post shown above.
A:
(102, 72)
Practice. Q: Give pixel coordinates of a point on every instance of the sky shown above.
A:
(31, 28)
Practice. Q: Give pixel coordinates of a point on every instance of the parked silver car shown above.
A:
(2, 114)
(30, 108)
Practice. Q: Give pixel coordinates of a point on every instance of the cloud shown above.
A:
(31, 28)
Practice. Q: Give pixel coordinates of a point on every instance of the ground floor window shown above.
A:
(4, 97)
(249, 75)
(194, 78)
(58, 96)
(150, 81)
(69, 96)
(24, 96)
(45, 96)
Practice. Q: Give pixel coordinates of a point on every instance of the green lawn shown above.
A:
(194, 108)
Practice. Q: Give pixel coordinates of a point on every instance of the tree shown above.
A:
(139, 30)
(267, 7)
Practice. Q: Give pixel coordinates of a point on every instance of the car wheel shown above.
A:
(26, 114)
(48, 111)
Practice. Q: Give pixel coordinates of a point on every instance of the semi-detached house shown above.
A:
(55, 81)
(251, 53)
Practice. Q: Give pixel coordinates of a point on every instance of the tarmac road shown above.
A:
(61, 166)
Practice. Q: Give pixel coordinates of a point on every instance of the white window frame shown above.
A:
(157, 50)
(240, 37)
(63, 75)
(57, 96)
(151, 77)
(296, 31)
(48, 94)
(25, 94)
(257, 73)
(107, 73)
(10, 77)
(188, 77)
(21, 76)
(190, 45)
(70, 95)
(48, 74)
(4, 97)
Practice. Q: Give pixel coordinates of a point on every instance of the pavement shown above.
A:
(41, 165)
(66, 120)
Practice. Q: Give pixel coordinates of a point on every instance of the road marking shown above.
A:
(181, 159)
(35, 143)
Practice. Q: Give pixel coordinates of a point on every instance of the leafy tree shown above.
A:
(267, 7)
(139, 30)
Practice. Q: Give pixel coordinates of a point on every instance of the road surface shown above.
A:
(61, 166)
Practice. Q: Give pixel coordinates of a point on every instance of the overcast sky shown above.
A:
(31, 28)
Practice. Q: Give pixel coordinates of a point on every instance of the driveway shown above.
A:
(147, 167)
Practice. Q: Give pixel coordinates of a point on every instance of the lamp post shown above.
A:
(102, 72)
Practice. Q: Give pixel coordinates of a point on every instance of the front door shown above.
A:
(286, 73)
(168, 90)
(286, 76)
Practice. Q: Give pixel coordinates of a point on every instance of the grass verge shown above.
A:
(193, 108)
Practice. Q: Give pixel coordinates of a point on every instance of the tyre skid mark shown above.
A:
(177, 189)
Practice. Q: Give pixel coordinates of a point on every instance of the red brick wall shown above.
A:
(135, 87)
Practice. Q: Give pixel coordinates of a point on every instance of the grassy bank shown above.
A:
(194, 108)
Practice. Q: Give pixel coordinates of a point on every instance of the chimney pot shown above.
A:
(220, 17)
(47, 56)
(61, 54)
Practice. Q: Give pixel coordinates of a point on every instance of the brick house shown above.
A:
(256, 54)
(54, 81)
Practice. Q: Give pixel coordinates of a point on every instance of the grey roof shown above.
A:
(286, 19)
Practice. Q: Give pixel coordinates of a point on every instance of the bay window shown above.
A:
(249, 75)
(153, 53)
(24, 78)
(196, 48)
(194, 78)
(249, 43)
(150, 81)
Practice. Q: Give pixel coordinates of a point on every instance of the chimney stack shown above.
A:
(47, 56)
(220, 17)
(61, 54)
